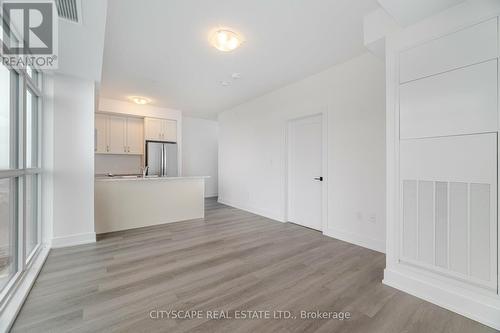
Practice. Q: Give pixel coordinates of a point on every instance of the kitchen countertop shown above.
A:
(132, 178)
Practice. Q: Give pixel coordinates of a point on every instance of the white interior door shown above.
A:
(305, 172)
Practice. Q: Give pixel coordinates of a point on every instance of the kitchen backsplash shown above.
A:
(117, 164)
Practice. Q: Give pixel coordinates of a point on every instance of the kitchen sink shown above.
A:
(131, 176)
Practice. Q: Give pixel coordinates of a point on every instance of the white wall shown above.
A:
(73, 161)
(199, 154)
(252, 148)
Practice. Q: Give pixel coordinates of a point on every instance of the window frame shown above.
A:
(18, 171)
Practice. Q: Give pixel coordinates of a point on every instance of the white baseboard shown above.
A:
(346, 236)
(73, 240)
(21, 291)
(482, 308)
(210, 195)
(254, 210)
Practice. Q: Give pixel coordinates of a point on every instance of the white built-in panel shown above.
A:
(458, 227)
(461, 101)
(470, 158)
(441, 224)
(410, 213)
(448, 205)
(425, 221)
(480, 231)
(462, 48)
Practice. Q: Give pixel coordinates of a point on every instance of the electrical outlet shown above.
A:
(372, 218)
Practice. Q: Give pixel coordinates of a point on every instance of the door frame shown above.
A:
(323, 112)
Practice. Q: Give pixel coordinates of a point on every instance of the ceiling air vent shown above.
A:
(70, 10)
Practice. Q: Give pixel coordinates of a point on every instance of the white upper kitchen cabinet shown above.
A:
(117, 135)
(154, 129)
(170, 133)
(100, 134)
(161, 129)
(135, 136)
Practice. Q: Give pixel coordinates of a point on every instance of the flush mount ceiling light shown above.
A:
(225, 40)
(140, 100)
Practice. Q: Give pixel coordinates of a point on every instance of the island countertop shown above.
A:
(123, 203)
(147, 178)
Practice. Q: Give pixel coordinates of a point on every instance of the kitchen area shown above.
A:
(138, 169)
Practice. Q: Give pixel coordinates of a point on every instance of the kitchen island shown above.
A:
(123, 203)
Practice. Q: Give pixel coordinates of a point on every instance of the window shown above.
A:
(5, 79)
(20, 173)
(31, 215)
(32, 162)
(8, 230)
(31, 130)
(8, 185)
(33, 74)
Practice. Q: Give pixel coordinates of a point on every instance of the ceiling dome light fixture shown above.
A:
(225, 40)
(140, 100)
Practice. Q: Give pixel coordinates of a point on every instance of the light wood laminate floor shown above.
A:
(233, 261)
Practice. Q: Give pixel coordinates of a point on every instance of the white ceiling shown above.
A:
(81, 45)
(407, 12)
(159, 49)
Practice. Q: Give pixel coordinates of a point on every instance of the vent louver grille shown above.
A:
(69, 10)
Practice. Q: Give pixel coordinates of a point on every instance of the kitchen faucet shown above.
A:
(144, 171)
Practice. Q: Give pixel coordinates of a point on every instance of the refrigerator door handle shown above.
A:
(161, 162)
(164, 171)
(165, 160)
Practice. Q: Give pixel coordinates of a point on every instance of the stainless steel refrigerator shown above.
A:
(161, 159)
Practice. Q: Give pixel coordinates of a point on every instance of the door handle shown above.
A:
(318, 178)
